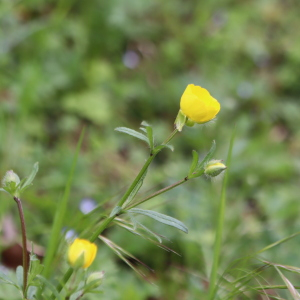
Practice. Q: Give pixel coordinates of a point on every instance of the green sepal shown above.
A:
(180, 121)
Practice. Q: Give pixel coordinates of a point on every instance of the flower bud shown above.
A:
(10, 181)
(214, 168)
(95, 279)
(198, 105)
(81, 253)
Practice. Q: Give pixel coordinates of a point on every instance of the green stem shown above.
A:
(24, 245)
(137, 179)
(217, 245)
(108, 220)
(170, 137)
(158, 193)
(220, 223)
(144, 168)
(70, 271)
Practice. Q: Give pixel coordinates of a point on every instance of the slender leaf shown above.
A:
(116, 210)
(50, 286)
(134, 133)
(127, 227)
(208, 157)
(160, 147)
(122, 255)
(60, 214)
(292, 290)
(76, 295)
(35, 268)
(19, 274)
(160, 218)
(137, 223)
(135, 190)
(194, 162)
(150, 136)
(31, 177)
(31, 292)
(3, 190)
(145, 124)
(7, 280)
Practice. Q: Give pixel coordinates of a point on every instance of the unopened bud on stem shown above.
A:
(214, 168)
(10, 182)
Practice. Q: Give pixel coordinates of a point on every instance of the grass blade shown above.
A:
(60, 214)
(219, 232)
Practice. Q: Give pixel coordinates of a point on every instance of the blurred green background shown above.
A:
(65, 64)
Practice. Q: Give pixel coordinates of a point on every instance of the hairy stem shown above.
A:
(24, 245)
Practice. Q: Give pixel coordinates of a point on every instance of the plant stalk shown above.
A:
(108, 220)
(158, 193)
(24, 245)
(220, 223)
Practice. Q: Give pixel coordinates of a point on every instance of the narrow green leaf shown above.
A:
(123, 254)
(35, 268)
(278, 242)
(31, 292)
(208, 157)
(116, 210)
(19, 274)
(122, 223)
(50, 286)
(3, 190)
(160, 147)
(135, 190)
(194, 162)
(160, 218)
(292, 290)
(31, 177)
(7, 280)
(137, 223)
(150, 136)
(213, 287)
(60, 214)
(76, 295)
(134, 133)
(144, 123)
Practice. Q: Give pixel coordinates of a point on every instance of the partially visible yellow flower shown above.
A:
(81, 253)
(198, 105)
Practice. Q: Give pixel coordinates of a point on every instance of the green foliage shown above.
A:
(160, 218)
(63, 66)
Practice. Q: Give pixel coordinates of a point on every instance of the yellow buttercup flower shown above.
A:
(198, 105)
(81, 253)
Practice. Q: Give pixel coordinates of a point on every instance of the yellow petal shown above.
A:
(82, 249)
(198, 105)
